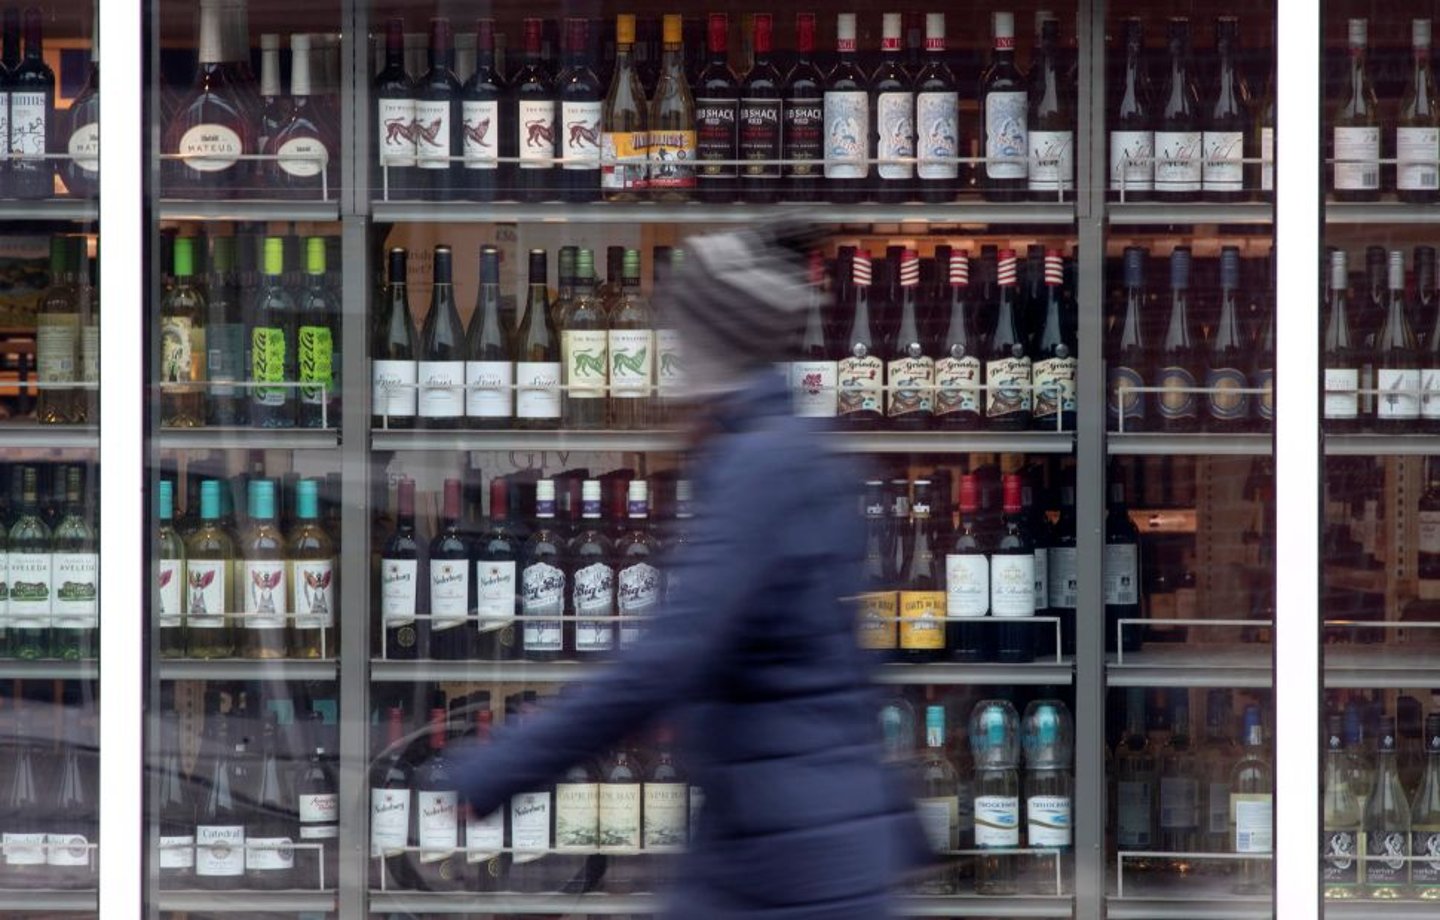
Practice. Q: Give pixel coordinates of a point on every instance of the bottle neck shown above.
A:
(300, 86)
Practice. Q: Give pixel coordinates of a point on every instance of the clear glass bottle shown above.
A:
(57, 341)
(1252, 809)
(182, 344)
(265, 621)
(624, 121)
(1137, 775)
(671, 142)
(1180, 800)
(170, 575)
(584, 340)
(631, 345)
(1425, 818)
(1417, 125)
(209, 589)
(938, 804)
(995, 743)
(313, 573)
(1387, 823)
(75, 562)
(1048, 741)
(1355, 126)
(1340, 867)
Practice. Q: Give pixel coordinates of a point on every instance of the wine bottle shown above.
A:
(317, 340)
(438, 123)
(489, 353)
(1179, 798)
(1048, 740)
(893, 119)
(449, 583)
(862, 373)
(543, 581)
(672, 139)
(1226, 120)
(967, 581)
(75, 561)
(1055, 353)
(57, 341)
(937, 127)
(32, 117)
(1121, 570)
(1050, 131)
(484, 834)
(535, 112)
(442, 351)
(1397, 360)
(847, 119)
(390, 796)
(1252, 811)
(1178, 403)
(1425, 818)
(220, 821)
(485, 123)
(261, 580)
(209, 131)
(1179, 141)
(877, 602)
(584, 339)
(271, 830)
(393, 368)
(182, 342)
(1341, 358)
(174, 810)
(318, 808)
(272, 344)
(208, 592)
(497, 552)
(592, 581)
(638, 578)
(922, 585)
(1340, 866)
(620, 826)
(994, 743)
(313, 571)
(1003, 103)
(1137, 776)
(1227, 410)
(958, 400)
(803, 131)
(813, 373)
(1417, 127)
(304, 142)
(31, 581)
(226, 403)
(169, 577)
(625, 119)
(439, 865)
(1132, 131)
(631, 346)
(717, 106)
(1064, 585)
(1012, 578)
(1262, 372)
(537, 355)
(406, 638)
(395, 119)
(81, 172)
(911, 372)
(87, 299)
(1355, 138)
(761, 116)
(938, 804)
(581, 99)
(665, 818)
(1008, 399)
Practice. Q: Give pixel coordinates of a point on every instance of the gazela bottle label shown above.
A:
(314, 593)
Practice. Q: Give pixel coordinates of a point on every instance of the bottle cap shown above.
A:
(860, 269)
(1397, 270)
(1134, 266)
(566, 266)
(804, 32)
(1004, 30)
(184, 257)
(1006, 274)
(1339, 270)
(684, 495)
(969, 494)
(545, 498)
(845, 31)
(274, 255)
(630, 268)
(538, 270)
(299, 43)
(269, 41)
(485, 35)
(1420, 33)
(718, 33)
(1359, 32)
(167, 500)
(532, 31)
(262, 499)
(1230, 268)
(625, 29)
(920, 506)
(398, 259)
(405, 498)
(307, 499)
(585, 266)
(1180, 268)
(993, 734)
(891, 25)
(590, 498)
(909, 268)
(499, 499)
(934, 31)
(1432, 733)
(1385, 737)
(764, 30)
(576, 34)
(315, 255)
(1014, 492)
(1054, 268)
(489, 265)
(443, 265)
(672, 29)
(934, 726)
(1179, 29)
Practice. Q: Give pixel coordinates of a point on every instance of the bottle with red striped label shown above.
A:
(909, 402)
(1055, 361)
(861, 372)
(1008, 396)
(958, 398)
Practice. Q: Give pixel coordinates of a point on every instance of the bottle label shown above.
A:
(77, 590)
(967, 586)
(997, 821)
(167, 593)
(862, 382)
(1042, 578)
(177, 354)
(1223, 170)
(225, 358)
(389, 821)
(396, 122)
(632, 356)
(319, 816)
(669, 153)
(480, 125)
(1179, 802)
(577, 816)
(1252, 815)
(1430, 393)
(1133, 814)
(1177, 397)
(580, 134)
(894, 134)
(55, 352)
(205, 584)
(760, 137)
(529, 826)
(263, 584)
(812, 388)
(1055, 385)
(593, 595)
(90, 352)
(535, 127)
(623, 156)
(937, 135)
(913, 383)
(586, 359)
(1219, 808)
(922, 620)
(316, 354)
(716, 135)
(1341, 863)
(177, 852)
(398, 581)
(495, 594)
(1264, 379)
(1012, 586)
(637, 595)
(1424, 843)
(484, 837)
(1132, 167)
(67, 850)
(1005, 137)
(1341, 400)
(269, 854)
(620, 816)
(1064, 588)
(877, 624)
(1225, 403)
(1122, 574)
(432, 133)
(449, 593)
(804, 136)
(23, 849)
(1399, 393)
(670, 372)
(697, 805)
(303, 157)
(664, 810)
(957, 385)
(538, 395)
(84, 148)
(1428, 540)
(206, 148)
(442, 389)
(1178, 159)
(1009, 392)
(1123, 397)
(488, 389)
(542, 594)
(437, 823)
(1047, 819)
(1357, 159)
(1052, 161)
(1386, 864)
(29, 590)
(940, 820)
(847, 134)
(267, 365)
(1267, 158)
(219, 850)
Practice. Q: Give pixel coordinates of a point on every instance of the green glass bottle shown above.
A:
(317, 343)
(632, 352)
(182, 344)
(76, 564)
(57, 341)
(209, 588)
(312, 577)
(30, 561)
(583, 341)
(272, 344)
(261, 578)
(169, 575)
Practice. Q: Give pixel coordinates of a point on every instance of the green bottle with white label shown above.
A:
(75, 562)
(29, 556)
(317, 343)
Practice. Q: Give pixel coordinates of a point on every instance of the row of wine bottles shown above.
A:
(41, 143)
(67, 335)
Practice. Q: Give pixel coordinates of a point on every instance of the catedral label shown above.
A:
(1012, 586)
(922, 620)
(671, 155)
(967, 586)
(877, 625)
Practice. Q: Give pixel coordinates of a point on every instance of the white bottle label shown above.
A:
(937, 135)
(449, 593)
(997, 821)
(1132, 168)
(23, 849)
(67, 850)
(55, 348)
(177, 852)
(847, 134)
(542, 594)
(1218, 808)
(940, 820)
(319, 816)
(1047, 820)
(205, 584)
(912, 382)
(442, 388)
(586, 353)
(637, 594)
(1178, 159)
(481, 127)
(396, 124)
(577, 816)
(167, 592)
(670, 371)
(393, 391)
(530, 826)
(536, 127)
(1052, 161)
(967, 586)
(263, 584)
(1009, 390)
(1005, 135)
(1253, 816)
(269, 854)
(1064, 589)
(580, 134)
(29, 590)
(862, 383)
(1133, 813)
(437, 825)
(957, 385)
(1122, 573)
(432, 133)
(619, 815)
(77, 590)
(389, 821)
(84, 147)
(593, 594)
(220, 850)
(484, 837)
(632, 359)
(1430, 393)
(398, 581)
(1359, 149)
(538, 395)
(206, 148)
(314, 593)
(665, 810)
(1012, 586)
(1418, 153)
(1223, 170)
(488, 392)
(1399, 395)
(495, 594)
(1428, 540)
(895, 133)
(1179, 802)
(1341, 400)
(1267, 156)
(812, 388)
(1055, 387)
(1042, 578)
(303, 157)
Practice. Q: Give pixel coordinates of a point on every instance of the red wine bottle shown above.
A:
(437, 117)
(861, 372)
(847, 120)
(82, 129)
(893, 117)
(937, 126)
(582, 97)
(439, 865)
(1003, 104)
(802, 137)
(394, 120)
(717, 106)
(406, 638)
(760, 118)
(1178, 139)
(1008, 399)
(484, 122)
(534, 122)
(390, 801)
(449, 595)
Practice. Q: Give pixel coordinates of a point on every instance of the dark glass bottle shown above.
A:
(1009, 400)
(535, 110)
(592, 581)
(1427, 318)
(489, 353)
(390, 803)
(537, 355)
(1012, 578)
(175, 809)
(1355, 126)
(717, 106)
(922, 585)
(861, 372)
(405, 637)
(638, 578)
(910, 370)
(271, 829)
(1227, 118)
(620, 821)
(1178, 404)
(1417, 126)
(958, 401)
(439, 865)
(317, 342)
(802, 135)
(485, 128)
(1055, 353)
(937, 118)
(967, 581)
(437, 117)
(32, 116)
(395, 121)
(1063, 571)
(1121, 569)
(442, 351)
(273, 357)
(1226, 356)
(892, 117)
(847, 120)
(878, 610)
(1341, 357)
(1128, 362)
(1178, 137)
(1262, 371)
(1397, 361)
(581, 99)
(1050, 133)
(393, 368)
(82, 129)
(317, 802)
(1003, 105)
(450, 594)
(497, 552)
(212, 127)
(543, 581)
(220, 821)
(761, 105)
(1132, 130)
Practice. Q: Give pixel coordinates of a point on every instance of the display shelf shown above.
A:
(16, 669)
(247, 669)
(976, 212)
(1388, 666)
(28, 902)
(1039, 673)
(1192, 665)
(1380, 212)
(256, 210)
(589, 905)
(1195, 908)
(51, 209)
(30, 436)
(1034, 674)
(1381, 445)
(1381, 910)
(1199, 443)
(1154, 213)
(896, 442)
(248, 438)
(246, 902)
